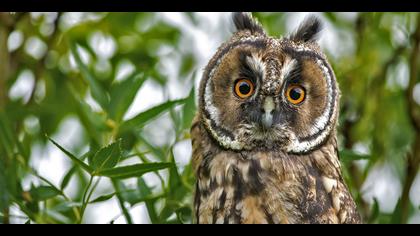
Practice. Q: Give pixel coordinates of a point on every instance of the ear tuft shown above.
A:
(308, 30)
(244, 21)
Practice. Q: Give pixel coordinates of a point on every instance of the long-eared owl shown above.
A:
(264, 137)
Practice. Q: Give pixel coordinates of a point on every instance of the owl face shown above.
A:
(260, 92)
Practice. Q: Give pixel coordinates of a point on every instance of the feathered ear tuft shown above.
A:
(308, 30)
(244, 21)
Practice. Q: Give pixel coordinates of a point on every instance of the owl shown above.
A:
(264, 136)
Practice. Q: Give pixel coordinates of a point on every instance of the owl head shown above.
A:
(262, 92)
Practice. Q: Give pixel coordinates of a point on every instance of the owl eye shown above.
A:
(244, 88)
(295, 94)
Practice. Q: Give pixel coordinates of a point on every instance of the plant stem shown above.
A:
(84, 203)
(124, 210)
(6, 216)
(92, 190)
(75, 209)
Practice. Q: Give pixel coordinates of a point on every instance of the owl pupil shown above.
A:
(244, 88)
(295, 94)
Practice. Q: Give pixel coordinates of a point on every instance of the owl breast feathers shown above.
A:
(264, 137)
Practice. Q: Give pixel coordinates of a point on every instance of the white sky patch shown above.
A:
(149, 95)
(361, 149)
(398, 76)
(103, 45)
(15, 40)
(182, 153)
(94, 105)
(124, 69)
(377, 185)
(35, 47)
(23, 86)
(103, 212)
(415, 191)
(164, 135)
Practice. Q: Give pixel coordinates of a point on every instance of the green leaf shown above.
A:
(8, 138)
(176, 191)
(347, 155)
(4, 196)
(103, 198)
(117, 186)
(176, 187)
(43, 193)
(98, 93)
(375, 211)
(123, 94)
(142, 118)
(67, 177)
(6, 135)
(66, 206)
(107, 157)
(187, 63)
(150, 204)
(136, 170)
(189, 109)
(396, 215)
(72, 157)
(184, 214)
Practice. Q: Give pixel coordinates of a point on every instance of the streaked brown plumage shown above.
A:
(261, 159)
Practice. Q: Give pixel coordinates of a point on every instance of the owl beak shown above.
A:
(267, 112)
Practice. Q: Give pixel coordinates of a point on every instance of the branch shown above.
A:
(40, 67)
(413, 158)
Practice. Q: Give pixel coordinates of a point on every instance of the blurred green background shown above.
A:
(95, 110)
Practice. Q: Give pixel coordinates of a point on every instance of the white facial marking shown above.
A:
(288, 67)
(269, 106)
(256, 63)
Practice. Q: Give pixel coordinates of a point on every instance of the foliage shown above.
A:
(77, 63)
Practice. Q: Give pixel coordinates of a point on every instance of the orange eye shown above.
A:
(295, 94)
(244, 88)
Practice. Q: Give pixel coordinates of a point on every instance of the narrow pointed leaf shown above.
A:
(66, 206)
(123, 94)
(42, 193)
(136, 170)
(103, 198)
(142, 118)
(189, 109)
(69, 174)
(348, 155)
(72, 157)
(146, 191)
(98, 93)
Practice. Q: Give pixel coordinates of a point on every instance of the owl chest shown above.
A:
(233, 189)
